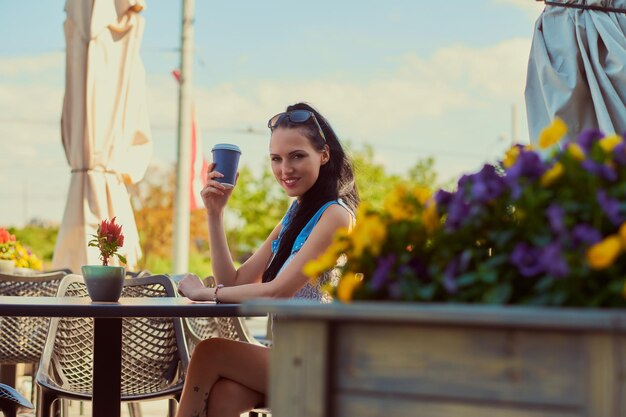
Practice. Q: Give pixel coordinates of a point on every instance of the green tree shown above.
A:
(374, 182)
(255, 208)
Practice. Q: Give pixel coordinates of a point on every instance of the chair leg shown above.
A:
(134, 409)
(172, 405)
(8, 408)
(44, 403)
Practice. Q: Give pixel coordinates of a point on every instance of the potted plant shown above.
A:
(105, 282)
(7, 251)
(502, 297)
(15, 255)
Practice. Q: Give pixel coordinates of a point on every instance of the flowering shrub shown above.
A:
(11, 249)
(540, 227)
(108, 239)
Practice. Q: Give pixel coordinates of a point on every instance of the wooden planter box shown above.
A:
(434, 360)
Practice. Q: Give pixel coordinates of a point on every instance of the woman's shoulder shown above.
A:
(337, 213)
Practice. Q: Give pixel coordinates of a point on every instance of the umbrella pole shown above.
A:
(183, 167)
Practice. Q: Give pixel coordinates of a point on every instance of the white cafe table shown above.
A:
(108, 331)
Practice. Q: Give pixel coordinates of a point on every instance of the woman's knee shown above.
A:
(228, 397)
(225, 388)
(209, 348)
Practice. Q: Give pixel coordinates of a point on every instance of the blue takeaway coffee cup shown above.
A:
(226, 158)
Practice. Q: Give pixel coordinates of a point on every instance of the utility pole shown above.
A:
(183, 161)
(514, 133)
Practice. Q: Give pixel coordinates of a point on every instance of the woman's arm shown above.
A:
(252, 269)
(291, 278)
(215, 197)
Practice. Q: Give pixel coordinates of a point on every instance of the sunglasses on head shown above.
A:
(295, 117)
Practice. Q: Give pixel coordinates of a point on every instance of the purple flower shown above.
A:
(382, 271)
(453, 269)
(588, 137)
(443, 198)
(458, 210)
(553, 262)
(487, 184)
(619, 153)
(528, 164)
(610, 206)
(602, 170)
(449, 277)
(555, 216)
(415, 268)
(527, 259)
(585, 234)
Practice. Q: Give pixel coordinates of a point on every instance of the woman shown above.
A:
(226, 377)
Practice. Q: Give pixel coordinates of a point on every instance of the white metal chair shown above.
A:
(154, 351)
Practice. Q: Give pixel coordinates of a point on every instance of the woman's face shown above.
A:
(295, 162)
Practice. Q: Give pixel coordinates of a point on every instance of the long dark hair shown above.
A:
(336, 180)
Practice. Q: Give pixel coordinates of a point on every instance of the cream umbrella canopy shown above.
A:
(577, 67)
(105, 126)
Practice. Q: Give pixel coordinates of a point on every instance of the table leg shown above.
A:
(107, 367)
(8, 375)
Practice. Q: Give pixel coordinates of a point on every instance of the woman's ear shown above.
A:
(325, 154)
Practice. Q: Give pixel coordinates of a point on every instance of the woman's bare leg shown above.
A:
(214, 359)
(231, 399)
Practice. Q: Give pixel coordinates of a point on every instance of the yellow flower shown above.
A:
(552, 134)
(622, 234)
(551, 175)
(348, 283)
(328, 260)
(422, 194)
(430, 217)
(603, 254)
(576, 151)
(369, 232)
(609, 142)
(511, 156)
(396, 204)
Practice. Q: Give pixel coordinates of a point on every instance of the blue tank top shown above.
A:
(309, 291)
(306, 230)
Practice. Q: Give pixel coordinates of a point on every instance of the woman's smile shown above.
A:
(295, 162)
(291, 182)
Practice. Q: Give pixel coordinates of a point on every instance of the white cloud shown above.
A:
(32, 64)
(454, 78)
(418, 93)
(531, 7)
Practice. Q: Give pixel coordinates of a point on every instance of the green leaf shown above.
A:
(499, 294)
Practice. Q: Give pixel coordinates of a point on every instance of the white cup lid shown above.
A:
(226, 146)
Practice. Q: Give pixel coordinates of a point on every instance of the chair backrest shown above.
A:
(154, 351)
(23, 338)
(233, 328)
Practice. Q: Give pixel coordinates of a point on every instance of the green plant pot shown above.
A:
(6, 266)
(104, 283)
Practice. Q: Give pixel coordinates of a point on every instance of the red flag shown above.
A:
(199, 165)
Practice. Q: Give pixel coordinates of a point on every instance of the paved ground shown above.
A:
(257, 326)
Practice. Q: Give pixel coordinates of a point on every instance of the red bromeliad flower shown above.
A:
(5, 236)
(108, 239)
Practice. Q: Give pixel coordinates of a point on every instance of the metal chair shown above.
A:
(23, 338)
(234, 328)
(11, 400)
(154, 351)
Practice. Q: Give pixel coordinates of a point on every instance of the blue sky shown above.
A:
(410, 78)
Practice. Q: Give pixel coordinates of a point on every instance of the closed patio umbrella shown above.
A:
(576, 69)
(105, 126)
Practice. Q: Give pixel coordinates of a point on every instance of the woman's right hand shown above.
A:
(214, 194)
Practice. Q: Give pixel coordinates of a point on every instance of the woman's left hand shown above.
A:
(191, 287)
